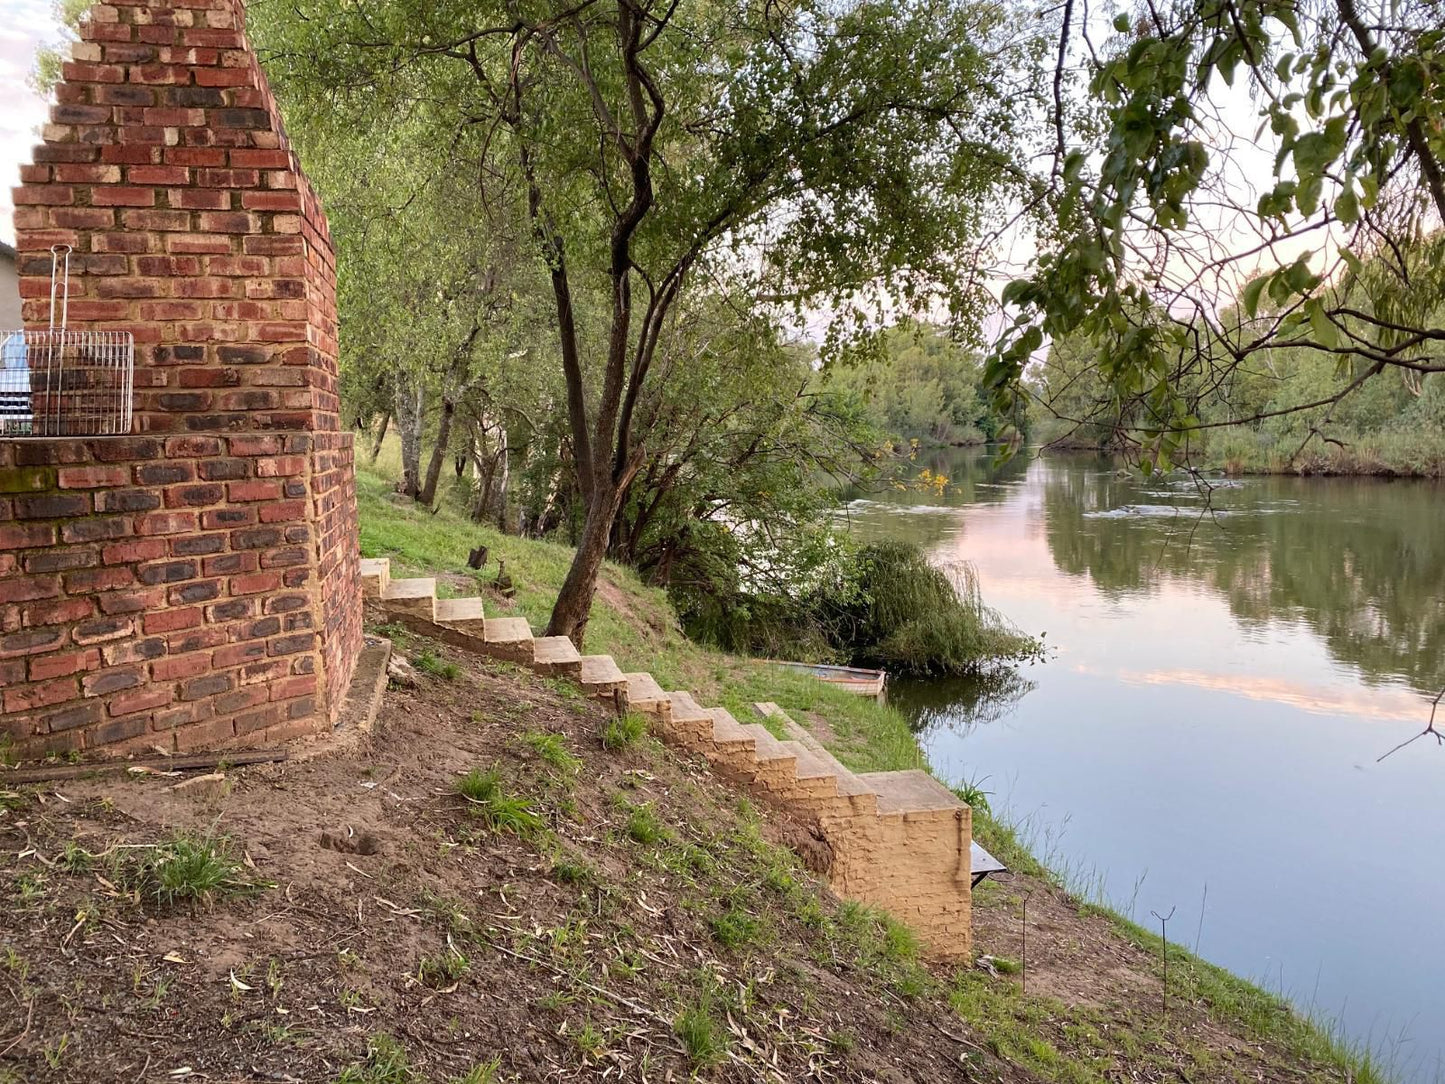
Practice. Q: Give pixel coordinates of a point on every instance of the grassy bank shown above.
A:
(1390, 454)
(1054, 1030)
(1383, 455)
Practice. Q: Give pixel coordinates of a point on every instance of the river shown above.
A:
(1206, 731)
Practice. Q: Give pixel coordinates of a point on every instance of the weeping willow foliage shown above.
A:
(882, 604)
(912, 617)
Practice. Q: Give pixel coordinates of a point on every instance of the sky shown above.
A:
(25, 25)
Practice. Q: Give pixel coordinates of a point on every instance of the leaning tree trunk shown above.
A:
(428, 492)
(380, 435)
(408, 425)
(574, 602)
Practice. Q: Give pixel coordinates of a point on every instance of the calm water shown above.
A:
(1205, 736)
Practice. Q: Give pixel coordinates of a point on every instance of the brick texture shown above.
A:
(196, 583)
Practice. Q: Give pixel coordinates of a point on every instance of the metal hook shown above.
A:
(55, 251)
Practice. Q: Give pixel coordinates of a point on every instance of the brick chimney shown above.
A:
(194, 584)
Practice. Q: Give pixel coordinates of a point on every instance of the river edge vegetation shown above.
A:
(1067, 1044)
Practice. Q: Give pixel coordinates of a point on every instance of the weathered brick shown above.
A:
(286, 645)
(26, 588)
(101, 629)
(132, 651)
(167, 572)
(128, 500)
(111, 681)
(52, 506)
(40, 694)
(57, 611)
(94, 529)
(92, 477)
(162, 474)
(210, 685)
(172, 620)
(69, 718)
(145, 699)
(200, 591)
(179, 667)
(61, 664)
(59, 560)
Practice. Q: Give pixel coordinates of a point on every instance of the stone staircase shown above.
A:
(899, 840)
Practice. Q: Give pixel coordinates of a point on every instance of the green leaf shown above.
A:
(1250, 297)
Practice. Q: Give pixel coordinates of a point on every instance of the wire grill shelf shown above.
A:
(63, 383)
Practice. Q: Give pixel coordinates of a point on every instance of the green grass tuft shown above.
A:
(552, 750)
(644, 826)
(385, 1063)
(428, 662)
(494, 807)
(702, 1034)
(621, 731)
(187, 869)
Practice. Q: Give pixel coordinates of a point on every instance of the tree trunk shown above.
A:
(428, 492)
(380, 435)
(408, 425)
(574, 601)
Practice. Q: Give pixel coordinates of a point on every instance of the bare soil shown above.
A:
(375, 926)
(373, 867)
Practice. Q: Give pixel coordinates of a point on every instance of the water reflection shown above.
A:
(1222, 686)
(960, 704)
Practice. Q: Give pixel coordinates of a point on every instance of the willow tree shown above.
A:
(815, 156)
(1235, 177)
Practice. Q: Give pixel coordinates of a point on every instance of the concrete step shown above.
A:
(375, 576)
(600, 675)
(464, 614)
(414, 597)
(767, 746)
(644, 694)
(728, 731)
(509, 638)
(849, 785)
(556, 656)
(910, 792)
(691, 722)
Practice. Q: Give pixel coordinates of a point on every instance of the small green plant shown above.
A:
(493, 806)
(481, 1073)
(428, 662)
(735, 926)
(1006, 966)
(590, 1040)
(623, 730)
(439, 971)
(701, 1034)
(552, 750)
(188, 869)
(644, 826)
(54, 1055)
(972, 794)
(385, 1063)
(569, 872)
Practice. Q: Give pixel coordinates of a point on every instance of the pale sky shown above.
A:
(25, 25)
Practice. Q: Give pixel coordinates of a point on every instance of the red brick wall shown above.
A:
(196, 584)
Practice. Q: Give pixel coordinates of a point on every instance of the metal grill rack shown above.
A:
(63, 383)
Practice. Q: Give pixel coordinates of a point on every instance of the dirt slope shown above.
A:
(392, 936)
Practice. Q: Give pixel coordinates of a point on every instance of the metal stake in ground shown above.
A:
(1164, 936)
